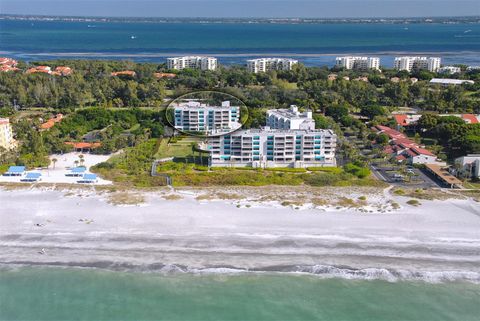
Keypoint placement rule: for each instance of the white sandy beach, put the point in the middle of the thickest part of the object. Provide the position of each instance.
(437, 240)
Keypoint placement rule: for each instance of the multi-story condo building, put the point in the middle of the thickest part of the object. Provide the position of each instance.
(290, 119)
(267, 147)
(193, 116)
(417, 63)
(449, 70)
(269, 64)
(358, 63)
(192, 62)
(6, 134)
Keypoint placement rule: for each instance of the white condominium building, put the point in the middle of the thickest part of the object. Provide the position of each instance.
(197, 117)
(449, 70)
(6, 134)
(358, 63)
(290, 119)
(268, 64)
(192, 62)
(267, 147)
(417, 63)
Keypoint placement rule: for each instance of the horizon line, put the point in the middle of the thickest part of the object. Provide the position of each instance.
(240, 18)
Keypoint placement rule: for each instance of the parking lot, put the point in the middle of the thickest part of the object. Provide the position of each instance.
(412, 177)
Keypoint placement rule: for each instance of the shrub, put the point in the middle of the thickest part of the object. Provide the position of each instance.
(413, 202)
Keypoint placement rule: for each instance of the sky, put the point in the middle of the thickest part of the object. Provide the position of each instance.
(244, 8)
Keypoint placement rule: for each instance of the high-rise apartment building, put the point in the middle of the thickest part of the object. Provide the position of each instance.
(192, 62)
(417, 63)
(269, 64)
(267, 147)
(358, 63)
(194, 116)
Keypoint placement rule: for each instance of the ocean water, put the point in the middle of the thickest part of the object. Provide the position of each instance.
(41, 293)
(313, 44)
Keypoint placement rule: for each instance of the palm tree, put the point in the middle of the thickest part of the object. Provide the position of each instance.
(82, 159)
(76, 163)
(54, 161)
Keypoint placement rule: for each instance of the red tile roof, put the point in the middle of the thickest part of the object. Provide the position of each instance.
(164, 75)
(8, 61)
(79, 145)
(401, 119)
(62, 71)
(421, 151)
(51, 122)
(130, 73)
(47, 125)
(470, 118)
(401, 143)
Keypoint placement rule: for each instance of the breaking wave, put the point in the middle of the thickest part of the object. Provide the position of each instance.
(323, 271)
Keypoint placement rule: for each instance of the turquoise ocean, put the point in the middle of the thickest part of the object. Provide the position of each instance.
(40, 293)
(233, 43)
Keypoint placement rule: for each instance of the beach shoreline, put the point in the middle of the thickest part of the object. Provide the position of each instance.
(238, 229)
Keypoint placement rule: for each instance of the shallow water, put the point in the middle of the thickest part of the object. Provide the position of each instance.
(34, 293)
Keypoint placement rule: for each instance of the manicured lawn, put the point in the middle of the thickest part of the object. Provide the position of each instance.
(182, 148)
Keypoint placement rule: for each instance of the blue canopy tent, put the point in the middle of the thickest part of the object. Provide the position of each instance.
(32, 177)
(15, 171)
(88, 179)
(76, 172)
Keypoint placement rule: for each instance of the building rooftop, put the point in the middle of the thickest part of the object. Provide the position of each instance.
(291, 113)
(193, 104)
(33, 175)
(282, 131)
(16, 169)
(448, 81)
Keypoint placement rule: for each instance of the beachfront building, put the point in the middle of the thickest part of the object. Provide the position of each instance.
(262, 148)
(6, 135)
(269, 64)
(194, 116)
(192, 62)
(449, 70)
(290, 119)
(358, 63)
(468, 166)
(417, 63)
(404, 149)
(450, 82)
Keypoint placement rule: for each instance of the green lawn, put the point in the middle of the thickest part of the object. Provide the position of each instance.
(471, 185)
(182, 148)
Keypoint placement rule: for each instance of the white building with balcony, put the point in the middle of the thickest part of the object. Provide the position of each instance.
(194, 116)
(6, 135)
(269, 64)
(290, 119)
(192, 62)
(449, 70)
(262, 148)
(358, 63)
(417, 63)
(468, 166)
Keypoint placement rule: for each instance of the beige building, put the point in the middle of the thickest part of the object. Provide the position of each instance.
(6, 134)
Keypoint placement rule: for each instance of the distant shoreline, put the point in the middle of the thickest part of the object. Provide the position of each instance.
(205, 20)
